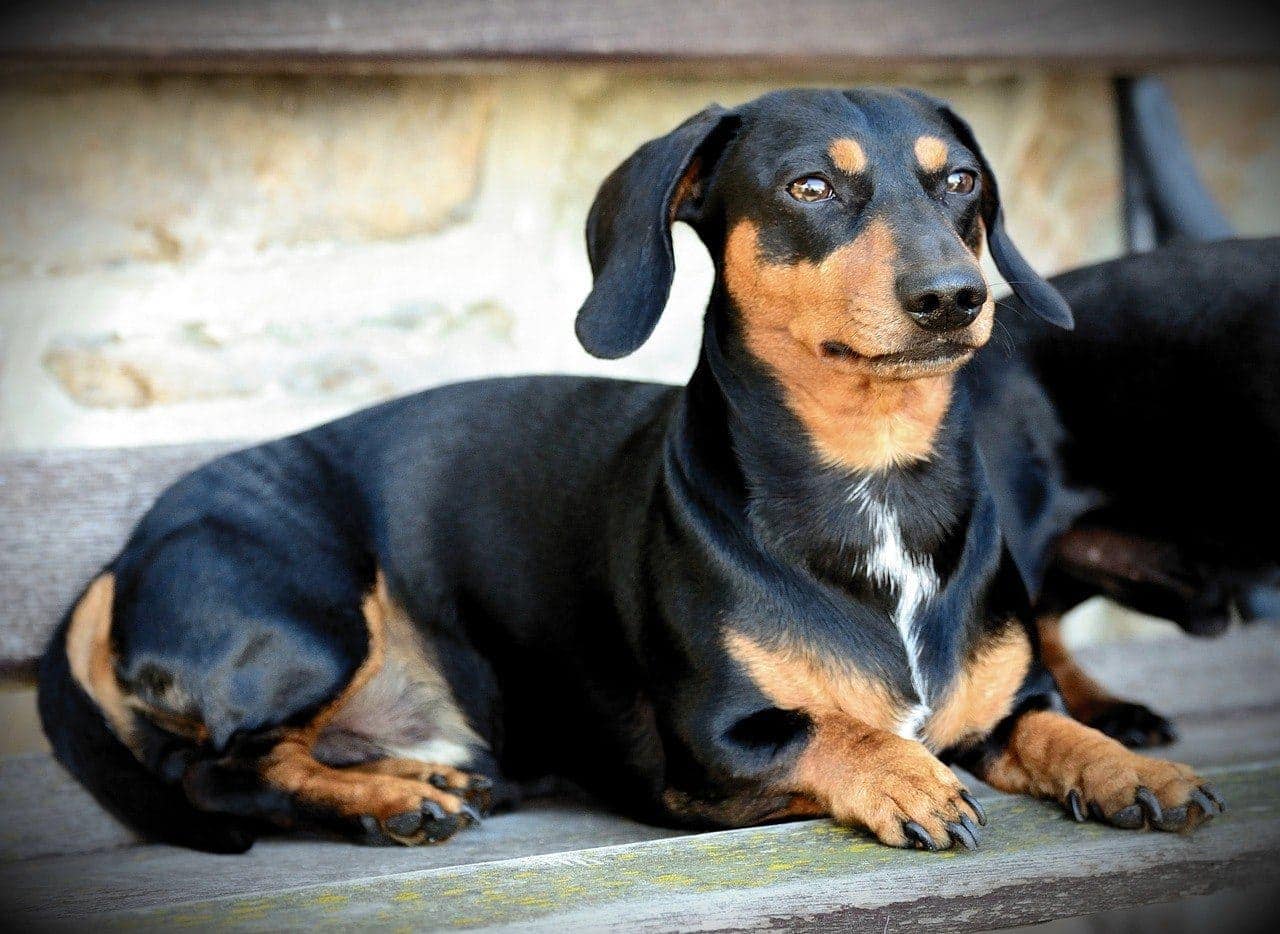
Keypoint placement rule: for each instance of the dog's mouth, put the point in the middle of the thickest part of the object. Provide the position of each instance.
(938, 356)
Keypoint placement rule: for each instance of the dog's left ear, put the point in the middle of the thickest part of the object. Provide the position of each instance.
(629, 231)
(1037, 294)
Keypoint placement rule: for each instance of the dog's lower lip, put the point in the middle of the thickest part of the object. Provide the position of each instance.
(938, 353)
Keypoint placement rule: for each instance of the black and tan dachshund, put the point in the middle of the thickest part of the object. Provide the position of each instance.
(1166, 415)
(781, 590)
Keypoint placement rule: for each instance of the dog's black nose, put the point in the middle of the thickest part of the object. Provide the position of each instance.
(942, 300)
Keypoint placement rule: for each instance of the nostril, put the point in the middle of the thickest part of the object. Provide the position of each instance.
(969, 299)
(928, 302)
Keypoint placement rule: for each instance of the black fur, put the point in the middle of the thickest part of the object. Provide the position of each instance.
(1169, 404)
(571, 547)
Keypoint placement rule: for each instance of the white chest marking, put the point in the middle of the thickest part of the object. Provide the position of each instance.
(913, 581)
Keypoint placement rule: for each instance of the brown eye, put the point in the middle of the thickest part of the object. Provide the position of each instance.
(810, 188)
(961, 182)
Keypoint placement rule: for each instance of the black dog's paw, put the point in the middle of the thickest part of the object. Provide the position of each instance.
(1135, 725)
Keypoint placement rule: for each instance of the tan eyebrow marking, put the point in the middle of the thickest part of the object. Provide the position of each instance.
(847, 155)
(931, 153)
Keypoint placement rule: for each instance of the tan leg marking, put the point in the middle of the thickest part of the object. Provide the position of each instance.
(92, 659)
(1050, 755)
(875, 779)
(1083, 696)
(398, 794)
(854, 768)
(982, 694)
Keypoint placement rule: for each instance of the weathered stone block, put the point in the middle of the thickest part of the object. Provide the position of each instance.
(97, 171)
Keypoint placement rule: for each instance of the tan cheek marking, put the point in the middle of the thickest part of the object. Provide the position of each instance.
(854, 420)
(794, 678)
(847, 156)
(982, 694)
(931, 153)
(92, 657)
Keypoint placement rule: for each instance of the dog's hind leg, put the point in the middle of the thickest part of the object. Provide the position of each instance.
(1133, 724)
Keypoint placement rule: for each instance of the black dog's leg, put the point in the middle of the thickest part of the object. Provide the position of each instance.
(1133, 724)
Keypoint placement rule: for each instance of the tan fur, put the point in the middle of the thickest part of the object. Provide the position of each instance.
(1083, 696)
(687, 187)
(856, 417)
(381, 789)
(1049, 755)
(982, 694)
(408, 693)
(931, 153)
(795, 678)
(91, 656)
(875, 779)
(847, 155)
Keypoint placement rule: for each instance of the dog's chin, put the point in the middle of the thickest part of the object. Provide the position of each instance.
(935, 358)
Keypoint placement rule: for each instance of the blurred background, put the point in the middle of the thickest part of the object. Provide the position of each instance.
(189, 256)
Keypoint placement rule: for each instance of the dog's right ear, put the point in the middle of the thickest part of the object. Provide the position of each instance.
(629, 231)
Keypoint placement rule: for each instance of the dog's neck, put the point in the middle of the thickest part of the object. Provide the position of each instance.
(801, 501)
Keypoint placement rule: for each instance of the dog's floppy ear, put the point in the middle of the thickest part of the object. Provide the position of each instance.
(629, 232)
(1027, 284)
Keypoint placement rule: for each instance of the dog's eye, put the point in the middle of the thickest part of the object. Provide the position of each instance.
(810, 188)
(961, 182)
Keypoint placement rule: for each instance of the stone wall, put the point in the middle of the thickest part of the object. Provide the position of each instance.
(193, 257)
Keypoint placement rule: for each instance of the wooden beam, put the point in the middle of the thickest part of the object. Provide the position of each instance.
(1034, 865)
(65, 514)
(338, 35)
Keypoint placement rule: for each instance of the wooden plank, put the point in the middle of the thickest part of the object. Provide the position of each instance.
(391, 34)
(66, 513)
(1035, 864)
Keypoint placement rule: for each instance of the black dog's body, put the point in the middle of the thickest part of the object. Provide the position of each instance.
(1169, 394)
(701, 603)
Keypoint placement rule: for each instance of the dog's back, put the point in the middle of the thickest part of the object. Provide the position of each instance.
(1169, 393)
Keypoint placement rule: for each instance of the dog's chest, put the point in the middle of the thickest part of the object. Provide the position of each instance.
(908, 578)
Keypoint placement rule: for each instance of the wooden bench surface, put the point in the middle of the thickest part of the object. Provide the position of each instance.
(334, 35)
(565, 865)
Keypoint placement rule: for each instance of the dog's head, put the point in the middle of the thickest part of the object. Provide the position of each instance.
(846, 228)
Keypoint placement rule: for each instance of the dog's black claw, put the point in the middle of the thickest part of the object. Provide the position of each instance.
(1128, 818)
(917, 833)
(472, 814)
(1096, 812)
(1076, 806)
(1212, 792)
(405, 824)
(962, 835)
(1172, 819)
(480, 783)
(439, 781)
(1146, 797)
(435, 811)
(977, 808)
(1208, 805)
(970, 826)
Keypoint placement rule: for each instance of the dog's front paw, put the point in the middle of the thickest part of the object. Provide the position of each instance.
(908, 798)
(1136, 726)
(1134, 791)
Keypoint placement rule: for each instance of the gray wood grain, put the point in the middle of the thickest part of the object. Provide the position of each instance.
(1035, 864)
(63, 514)
(336, 34)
